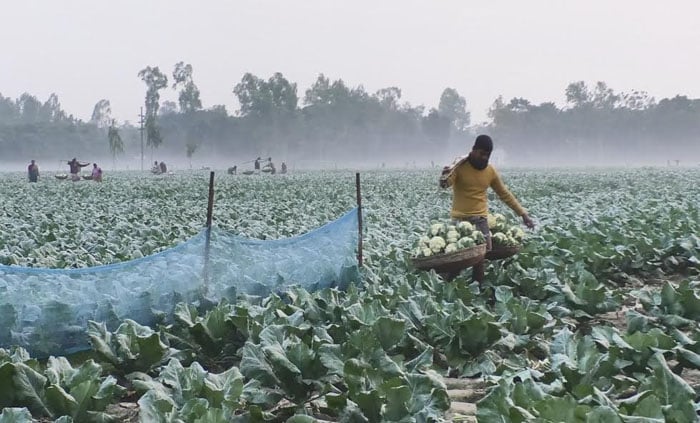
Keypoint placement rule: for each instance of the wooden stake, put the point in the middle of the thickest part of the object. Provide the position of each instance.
(359, 219)
(210, 205)
(210, 210)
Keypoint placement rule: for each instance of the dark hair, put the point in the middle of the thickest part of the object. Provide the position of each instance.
(483, 142)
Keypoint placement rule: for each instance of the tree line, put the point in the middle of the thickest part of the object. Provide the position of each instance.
(332, 121)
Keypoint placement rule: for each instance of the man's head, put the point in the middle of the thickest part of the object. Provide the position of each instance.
(32, 161)
(484, 143)
(481, 152)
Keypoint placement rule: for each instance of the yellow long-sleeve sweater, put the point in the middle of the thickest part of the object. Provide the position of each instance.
(469, 187)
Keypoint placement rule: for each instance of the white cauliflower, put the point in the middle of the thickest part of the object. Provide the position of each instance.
(437, 244)
(466, 242)
(452, 236)
(465, 228)
(437, 229)
(424, 240)
(451, 248)
(499, 238)
(517, 233)
(497, 222)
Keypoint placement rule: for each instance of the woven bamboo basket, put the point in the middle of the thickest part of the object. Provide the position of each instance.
(500, 252)
(61, 176)
(452, 262)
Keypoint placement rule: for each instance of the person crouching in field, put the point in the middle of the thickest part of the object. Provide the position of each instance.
(96, 173)
(33, 171)
(470, 178)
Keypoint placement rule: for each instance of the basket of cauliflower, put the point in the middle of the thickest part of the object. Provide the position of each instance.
(448, 248)
(506, 239)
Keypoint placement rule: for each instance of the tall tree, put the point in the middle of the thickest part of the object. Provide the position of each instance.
(155, 81)
(389, 97)
(254, 96)
(8, 110)
(604, 97)
(283, 94)
(51, 110)
(270, 109)
(102, 114)
(577, 94)
(189, 93)
(319, 92)
(454, 107)
(29, 107)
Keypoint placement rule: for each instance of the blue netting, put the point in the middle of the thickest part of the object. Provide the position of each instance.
(46, 310)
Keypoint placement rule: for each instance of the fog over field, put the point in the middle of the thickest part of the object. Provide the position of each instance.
(364, 85)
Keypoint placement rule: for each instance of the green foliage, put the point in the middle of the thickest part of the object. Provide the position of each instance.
(189, 394)
(130, 348)
(535, 330)
(56, 389)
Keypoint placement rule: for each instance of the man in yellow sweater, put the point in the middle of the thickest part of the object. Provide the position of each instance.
(469, 179)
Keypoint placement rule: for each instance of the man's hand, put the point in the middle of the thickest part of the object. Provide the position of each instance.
(528, 222)
(443, 176)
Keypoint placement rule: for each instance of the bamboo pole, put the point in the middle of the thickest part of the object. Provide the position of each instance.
(359, 219)
(210, 210)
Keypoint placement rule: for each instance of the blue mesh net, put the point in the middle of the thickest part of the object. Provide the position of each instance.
(46, 310)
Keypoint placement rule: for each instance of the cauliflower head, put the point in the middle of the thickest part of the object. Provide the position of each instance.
(437, 244)
(465, 228)
(437, 229)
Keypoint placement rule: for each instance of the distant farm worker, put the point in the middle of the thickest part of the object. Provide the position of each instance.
(33, 171)
(155, 168)
(470, 177)
(75, 166)
(96, 173)
(283, 168)
(163, 168)
(256, 166)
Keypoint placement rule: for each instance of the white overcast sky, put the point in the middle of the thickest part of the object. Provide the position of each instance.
(87, 50)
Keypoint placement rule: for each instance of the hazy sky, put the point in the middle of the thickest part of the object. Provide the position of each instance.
(87, 50)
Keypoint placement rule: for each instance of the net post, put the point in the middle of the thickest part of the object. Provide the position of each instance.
(210, 204)
(359, 219)
(210, 209)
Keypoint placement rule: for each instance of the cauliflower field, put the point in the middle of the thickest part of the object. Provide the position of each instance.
(596, 319)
